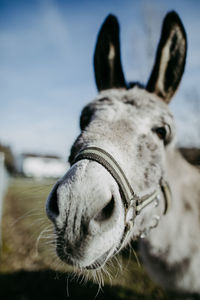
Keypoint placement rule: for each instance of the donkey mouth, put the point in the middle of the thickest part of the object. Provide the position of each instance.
(97, 264)
(68, 258)
(100, 262)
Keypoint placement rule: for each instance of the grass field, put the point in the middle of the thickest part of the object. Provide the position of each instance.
(29, 268)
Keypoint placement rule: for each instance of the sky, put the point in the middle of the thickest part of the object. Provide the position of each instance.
(46, 66)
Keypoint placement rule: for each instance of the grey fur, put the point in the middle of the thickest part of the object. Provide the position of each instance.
(124, 122)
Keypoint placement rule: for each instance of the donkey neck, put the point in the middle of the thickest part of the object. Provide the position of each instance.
(174, 231)
(184, 181)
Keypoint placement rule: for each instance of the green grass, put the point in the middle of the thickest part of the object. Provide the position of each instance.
(29, 268)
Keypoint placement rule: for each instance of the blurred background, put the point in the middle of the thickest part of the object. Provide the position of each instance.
(46, 66)
(46, 77)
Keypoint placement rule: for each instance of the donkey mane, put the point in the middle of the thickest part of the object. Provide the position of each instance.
(127, 181)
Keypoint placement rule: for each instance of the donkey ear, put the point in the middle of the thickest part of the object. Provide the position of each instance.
(170, 58)
(107, 62)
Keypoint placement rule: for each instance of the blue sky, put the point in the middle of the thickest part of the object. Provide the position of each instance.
(46, 71)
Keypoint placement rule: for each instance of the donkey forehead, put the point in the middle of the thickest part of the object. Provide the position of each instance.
(129, 105)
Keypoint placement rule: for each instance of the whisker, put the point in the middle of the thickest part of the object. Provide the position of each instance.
(27, 214)
(40, 236)
(136, 256)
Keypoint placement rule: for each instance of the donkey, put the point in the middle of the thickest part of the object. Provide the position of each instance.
(127, 181)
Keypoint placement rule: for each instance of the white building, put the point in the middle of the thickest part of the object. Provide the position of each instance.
(43, 166)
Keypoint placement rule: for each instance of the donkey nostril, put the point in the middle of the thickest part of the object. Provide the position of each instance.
(106, 212)
(52, 203)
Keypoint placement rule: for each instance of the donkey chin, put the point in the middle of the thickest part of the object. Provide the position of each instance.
(88, 254)
(84, 258)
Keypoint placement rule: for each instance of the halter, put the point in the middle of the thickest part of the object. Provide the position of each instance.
(132, 203)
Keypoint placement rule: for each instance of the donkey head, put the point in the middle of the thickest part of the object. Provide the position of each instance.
(132, 126)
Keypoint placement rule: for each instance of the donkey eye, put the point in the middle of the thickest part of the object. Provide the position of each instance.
(86, 116)
(161, 132)
(164, 133)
